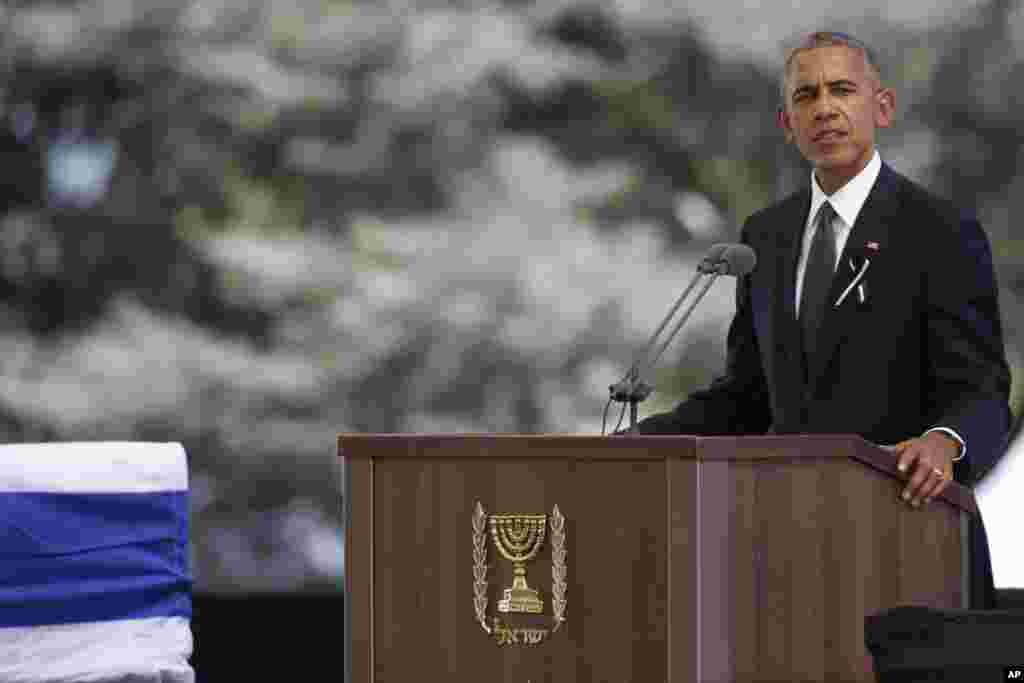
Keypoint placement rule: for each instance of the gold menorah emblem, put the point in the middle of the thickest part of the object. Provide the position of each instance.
(519, 537)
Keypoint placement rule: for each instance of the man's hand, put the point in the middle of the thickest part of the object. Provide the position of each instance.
(928, 461)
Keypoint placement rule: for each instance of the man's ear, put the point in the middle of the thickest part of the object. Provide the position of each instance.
(782, 119)
(886, 109)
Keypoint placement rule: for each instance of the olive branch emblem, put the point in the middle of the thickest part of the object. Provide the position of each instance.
(559, 574)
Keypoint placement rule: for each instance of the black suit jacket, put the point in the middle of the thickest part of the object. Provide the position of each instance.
(923, 349)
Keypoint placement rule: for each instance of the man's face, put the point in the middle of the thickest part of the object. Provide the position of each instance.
(833, 105)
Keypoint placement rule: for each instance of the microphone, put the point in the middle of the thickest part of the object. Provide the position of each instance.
(737, 260)
(711, 261)
(721, 259)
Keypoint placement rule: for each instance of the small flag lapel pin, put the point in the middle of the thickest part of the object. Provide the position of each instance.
(873, 246)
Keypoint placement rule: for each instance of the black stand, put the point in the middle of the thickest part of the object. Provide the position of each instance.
(721, 259)
(632, 389)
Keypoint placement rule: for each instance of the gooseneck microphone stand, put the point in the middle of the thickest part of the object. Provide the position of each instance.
(721, 259)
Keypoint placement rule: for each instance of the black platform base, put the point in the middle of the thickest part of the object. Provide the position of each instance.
(968, 646)
(268, 637)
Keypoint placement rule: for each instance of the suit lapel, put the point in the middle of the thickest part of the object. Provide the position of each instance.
(785, 346)
(872, 226)
(789, 239)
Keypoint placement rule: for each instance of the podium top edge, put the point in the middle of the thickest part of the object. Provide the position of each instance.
(633, 446)
(613, 441)
(702, 449)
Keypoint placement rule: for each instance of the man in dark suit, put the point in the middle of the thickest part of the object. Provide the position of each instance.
(873, 307)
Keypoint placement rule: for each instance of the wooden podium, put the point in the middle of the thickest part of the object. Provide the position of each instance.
(686, 558)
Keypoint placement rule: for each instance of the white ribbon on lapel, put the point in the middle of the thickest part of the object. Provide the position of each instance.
(856, 280)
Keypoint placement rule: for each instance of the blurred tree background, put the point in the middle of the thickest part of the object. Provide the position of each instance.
(251, 225)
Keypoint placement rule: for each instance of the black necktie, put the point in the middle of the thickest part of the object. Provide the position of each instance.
(818, 277)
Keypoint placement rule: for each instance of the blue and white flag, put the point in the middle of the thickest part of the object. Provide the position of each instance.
(94, 572)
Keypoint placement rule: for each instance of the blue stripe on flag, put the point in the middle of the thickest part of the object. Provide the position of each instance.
(79, 557)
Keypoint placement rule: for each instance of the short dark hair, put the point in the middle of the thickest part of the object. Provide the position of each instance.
(828, 39)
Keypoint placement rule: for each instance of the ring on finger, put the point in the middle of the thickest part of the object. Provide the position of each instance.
(937, 471)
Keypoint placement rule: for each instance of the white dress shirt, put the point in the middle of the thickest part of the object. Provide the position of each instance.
(847, 202)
